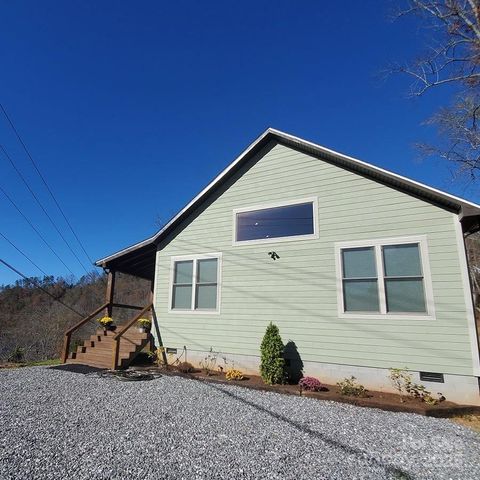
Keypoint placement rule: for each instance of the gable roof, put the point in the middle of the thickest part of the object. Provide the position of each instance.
(420, 190)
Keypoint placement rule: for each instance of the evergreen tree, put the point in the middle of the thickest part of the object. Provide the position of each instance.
(272, 367)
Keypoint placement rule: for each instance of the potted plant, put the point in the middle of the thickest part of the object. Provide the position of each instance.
(144, 325)
(107, 323)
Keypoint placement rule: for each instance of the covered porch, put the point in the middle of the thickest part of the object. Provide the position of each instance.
(117, 347)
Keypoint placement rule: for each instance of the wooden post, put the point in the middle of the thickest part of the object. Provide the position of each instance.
(66, 347)
(150, 297)
(159, 336)
(110, 292)
(153, 317)
(116, 353)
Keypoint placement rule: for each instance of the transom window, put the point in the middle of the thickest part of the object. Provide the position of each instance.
(385, 278)
(195, 283)
(275, 222)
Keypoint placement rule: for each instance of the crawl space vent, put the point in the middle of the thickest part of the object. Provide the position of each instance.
(431, 377)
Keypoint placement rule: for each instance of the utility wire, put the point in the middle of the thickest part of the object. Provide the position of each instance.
(44, 181)
(35, 229)
(2, 148)
(24, 254)
(40, 287)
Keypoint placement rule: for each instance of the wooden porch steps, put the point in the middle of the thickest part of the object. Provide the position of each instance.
(98, 350)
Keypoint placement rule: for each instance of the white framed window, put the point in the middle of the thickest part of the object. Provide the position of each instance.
(195, 283)
(276, 222)
(384, 278)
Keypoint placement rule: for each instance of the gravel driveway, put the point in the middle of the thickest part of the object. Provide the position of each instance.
(57, 424)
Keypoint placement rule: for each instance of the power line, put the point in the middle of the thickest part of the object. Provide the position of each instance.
(44, 181)
(40, 287)
(41, 206)
(24, 254)
(35, 229)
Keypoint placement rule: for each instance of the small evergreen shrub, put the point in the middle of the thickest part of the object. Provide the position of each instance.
(310, 384)
(272, 366)
(351, 388)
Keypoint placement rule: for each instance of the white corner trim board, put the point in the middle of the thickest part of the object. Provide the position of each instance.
(472, 329)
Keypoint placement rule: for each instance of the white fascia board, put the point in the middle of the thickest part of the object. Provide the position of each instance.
(143, 243)
(216, 180)
(354, 161)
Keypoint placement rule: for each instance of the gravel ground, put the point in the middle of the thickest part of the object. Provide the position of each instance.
(58, 424)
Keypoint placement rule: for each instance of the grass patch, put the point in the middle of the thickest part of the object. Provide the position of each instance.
(470, 421)
(54, 361)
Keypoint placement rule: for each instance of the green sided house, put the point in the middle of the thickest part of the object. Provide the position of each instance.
(360, 268)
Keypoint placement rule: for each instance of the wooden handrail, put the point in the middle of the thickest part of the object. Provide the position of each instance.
(133, 321)
(86, 319)
(116, 337)
(68, 333)
(123, 305)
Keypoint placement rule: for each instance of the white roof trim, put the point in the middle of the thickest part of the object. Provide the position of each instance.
(369, 166)
(318, 148)
(217, 179)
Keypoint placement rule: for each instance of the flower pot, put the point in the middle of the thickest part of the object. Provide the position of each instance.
(143, 329)
(110, 328)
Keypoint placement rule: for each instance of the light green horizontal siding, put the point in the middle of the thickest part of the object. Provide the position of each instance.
(298, 291)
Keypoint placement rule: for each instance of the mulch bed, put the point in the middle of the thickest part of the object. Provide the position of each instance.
(382, 400)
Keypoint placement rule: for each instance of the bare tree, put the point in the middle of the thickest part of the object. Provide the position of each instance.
(453, 58)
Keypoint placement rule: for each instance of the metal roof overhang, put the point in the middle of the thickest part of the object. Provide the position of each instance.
(139, 262)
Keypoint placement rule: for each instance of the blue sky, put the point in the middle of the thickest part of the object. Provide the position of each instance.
(131, 108)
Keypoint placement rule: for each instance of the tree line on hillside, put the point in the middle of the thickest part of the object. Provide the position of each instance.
(32, 323)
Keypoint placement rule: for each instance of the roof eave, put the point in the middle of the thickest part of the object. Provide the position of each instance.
(198, 197)
(425, 189)
(271, 133)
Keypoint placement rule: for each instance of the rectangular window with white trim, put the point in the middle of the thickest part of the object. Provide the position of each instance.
(195, 283)
(292, 220)
(389, 277)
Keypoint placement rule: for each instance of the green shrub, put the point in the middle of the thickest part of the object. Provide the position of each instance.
(272, 366)
(17, 355)
(351, 388)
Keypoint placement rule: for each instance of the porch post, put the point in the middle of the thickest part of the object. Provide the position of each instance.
(155, 324)
(150, 296)
(110, 292)
(152, 315)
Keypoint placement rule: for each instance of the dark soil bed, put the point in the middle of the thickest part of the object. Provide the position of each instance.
(382, 400)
